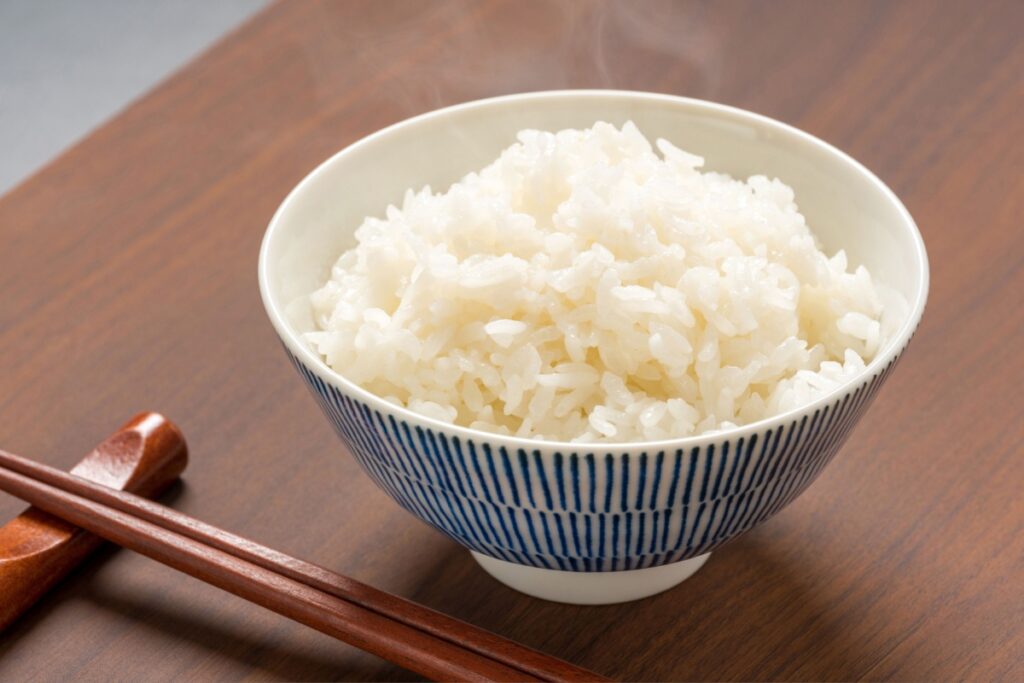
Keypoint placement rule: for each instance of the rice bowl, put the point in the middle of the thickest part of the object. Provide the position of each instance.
(613, 519)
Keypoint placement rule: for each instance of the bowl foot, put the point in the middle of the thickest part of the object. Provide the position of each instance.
(590, 588)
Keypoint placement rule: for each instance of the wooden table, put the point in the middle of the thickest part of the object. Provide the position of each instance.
(128, 282)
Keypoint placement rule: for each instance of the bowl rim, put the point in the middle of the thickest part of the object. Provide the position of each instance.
(304, 354)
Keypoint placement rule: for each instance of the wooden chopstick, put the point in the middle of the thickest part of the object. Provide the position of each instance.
(413, 636)
(394, 607)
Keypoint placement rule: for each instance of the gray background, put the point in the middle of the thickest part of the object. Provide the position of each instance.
(68, 65)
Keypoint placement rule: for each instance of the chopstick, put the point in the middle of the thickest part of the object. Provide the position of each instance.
(410, 635)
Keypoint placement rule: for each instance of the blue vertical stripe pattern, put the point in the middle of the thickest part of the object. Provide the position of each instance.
(590, 510)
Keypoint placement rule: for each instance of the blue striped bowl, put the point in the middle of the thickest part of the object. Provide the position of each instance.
(585, 523)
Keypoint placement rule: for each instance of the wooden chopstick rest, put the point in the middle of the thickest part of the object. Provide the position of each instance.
(37, 550)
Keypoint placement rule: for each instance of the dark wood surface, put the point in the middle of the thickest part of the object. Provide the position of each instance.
(128, 282)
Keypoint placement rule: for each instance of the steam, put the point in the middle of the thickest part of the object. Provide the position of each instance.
(412, 57)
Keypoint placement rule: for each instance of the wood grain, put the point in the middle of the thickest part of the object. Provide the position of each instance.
(127, 280)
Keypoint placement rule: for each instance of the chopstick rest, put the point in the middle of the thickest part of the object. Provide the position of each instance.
(37, 550)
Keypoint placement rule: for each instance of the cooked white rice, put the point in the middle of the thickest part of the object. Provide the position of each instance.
(584, 288)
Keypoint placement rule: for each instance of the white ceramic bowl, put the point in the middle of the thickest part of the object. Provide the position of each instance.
(603, 522)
